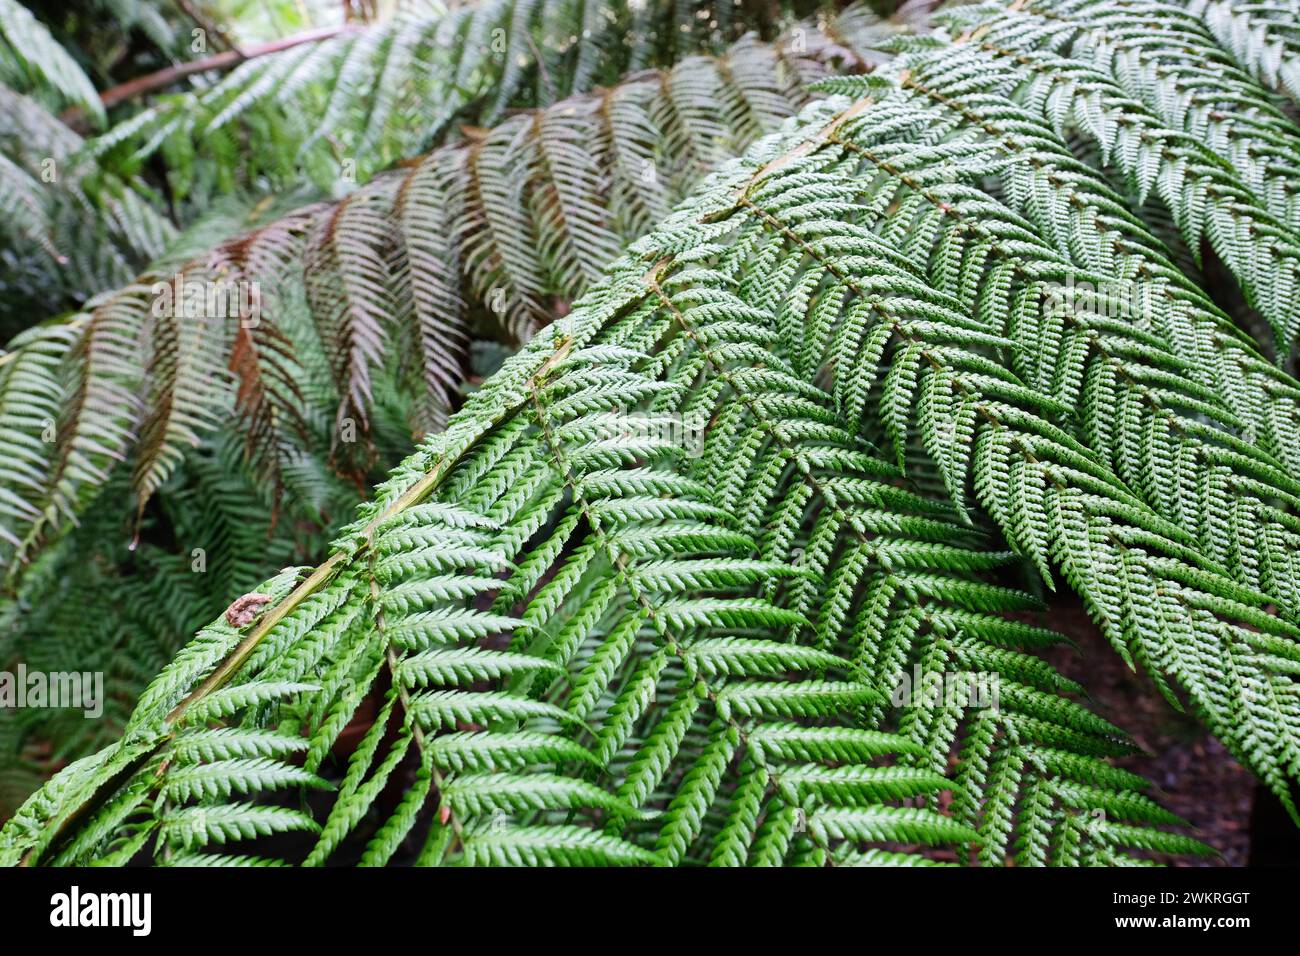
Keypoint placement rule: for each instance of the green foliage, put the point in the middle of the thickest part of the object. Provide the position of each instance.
(1171, 119)
(32, 61)
(597, 646)
(341, 109)
(586, 707)
(69, 229)
(392, 278)
(79, 220)
(378, 286)
(1263, 39)
(675, 585)
(232, 435)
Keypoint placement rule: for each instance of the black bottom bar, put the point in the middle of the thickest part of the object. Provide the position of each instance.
(330, 907)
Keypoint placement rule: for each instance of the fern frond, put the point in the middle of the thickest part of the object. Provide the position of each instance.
(1262, 38)
(1115, 369)
(701, 702)
(33, 62)
(722, 634)
(675, 584)
(1222, 197)
(1192, 86)
(85, 230)
(515, 218)
(1157, 597)
(345, 107)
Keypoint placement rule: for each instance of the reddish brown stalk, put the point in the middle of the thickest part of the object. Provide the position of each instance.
(224, 60)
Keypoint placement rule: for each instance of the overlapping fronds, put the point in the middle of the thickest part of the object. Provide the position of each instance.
(1172, 119)
(1263, 38)
(340, 109)
(651, 680)
(68, 230)
(921, 302)
(717, 570)
(279, 379)
(220, 525)
(33, 62)
(1111, 330)
(392, 277)
(651, 596)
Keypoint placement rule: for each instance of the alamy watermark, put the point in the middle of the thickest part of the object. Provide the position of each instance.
(1118, 299)
(84, 908)
(974, 690)
(208, 298)
(65, 690)
(670, 429)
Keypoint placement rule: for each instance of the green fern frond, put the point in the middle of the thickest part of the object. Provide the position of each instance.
(709, 712)
(664, 697)
(1115, 371)
(1263, 39)
(347, 106)
(913, 360)
(1213, 150)
(33, 62)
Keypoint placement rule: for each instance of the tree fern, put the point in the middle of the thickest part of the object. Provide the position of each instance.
(705, 631)
(390, 264)
(1173, 332)
(32, 61)
(1261, 37)
(286, 412)
(664, 590)
(916, 363)
(618, 681)
(343, 108)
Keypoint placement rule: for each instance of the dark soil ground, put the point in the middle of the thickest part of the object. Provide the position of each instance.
(1196, 777)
